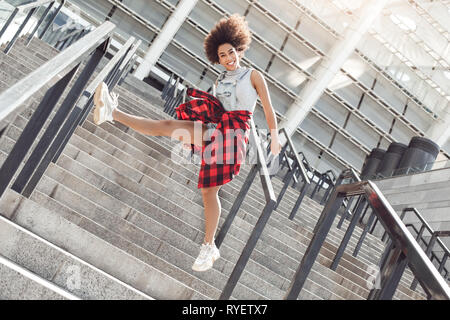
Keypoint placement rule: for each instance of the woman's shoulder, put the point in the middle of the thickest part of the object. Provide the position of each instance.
(255, 77)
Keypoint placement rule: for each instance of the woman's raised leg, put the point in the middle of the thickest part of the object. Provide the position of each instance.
(186, 131)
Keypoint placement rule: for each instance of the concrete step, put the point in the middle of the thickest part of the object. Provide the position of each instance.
(93, 250)
(17, 283)
(72, 276)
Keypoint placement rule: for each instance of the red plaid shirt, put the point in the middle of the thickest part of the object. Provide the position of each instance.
(217, 170)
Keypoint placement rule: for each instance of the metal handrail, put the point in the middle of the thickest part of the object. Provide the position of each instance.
(424, 222)
(113, 72)
(12, 99)
(296, 157)
(60, 69)
(407, 248)
(435, 237)
(433, 255)
(307, 165)
(263, 218)
(297, 164)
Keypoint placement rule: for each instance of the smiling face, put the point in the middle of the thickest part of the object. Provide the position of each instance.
(229, 57)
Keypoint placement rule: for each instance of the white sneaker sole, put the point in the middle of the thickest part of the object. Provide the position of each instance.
(99, 104)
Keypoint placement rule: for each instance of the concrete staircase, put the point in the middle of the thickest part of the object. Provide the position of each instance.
(118, 208)
(429, 193)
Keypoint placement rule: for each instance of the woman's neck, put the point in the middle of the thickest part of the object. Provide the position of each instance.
(235, 71)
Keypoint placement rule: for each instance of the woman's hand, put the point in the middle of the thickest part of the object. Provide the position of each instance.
(275, 146)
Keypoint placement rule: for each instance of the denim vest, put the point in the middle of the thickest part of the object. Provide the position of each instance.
(226, 90)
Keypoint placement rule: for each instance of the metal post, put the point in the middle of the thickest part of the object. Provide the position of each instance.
(364, 233)
(128, 70)
(428, 253)
(176, 103)
(287, 173)
(299, 200)
(327, 193)
(236, 205)
(30, 37)
(71, 40)
(80, 114)
(286, 185)
(374, 225)
(52, 19)
(248, 249)
(170, 95)
(19, 31)
(330, 189)
(443, 262)
(52, 130)
(311, 253)
(166, 87)
(391, 274)
(364, 213)
(31, 131)
(62, 46)
(9, 21)
(296, 179)
(67, 129)
(347, 211)
(317, 188)
(348, 233)
(387, 253)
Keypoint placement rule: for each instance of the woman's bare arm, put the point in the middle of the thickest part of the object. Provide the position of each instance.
(259, 83)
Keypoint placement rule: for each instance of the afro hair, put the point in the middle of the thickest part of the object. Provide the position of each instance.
(233, 30)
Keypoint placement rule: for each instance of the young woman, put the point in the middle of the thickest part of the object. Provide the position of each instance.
(237, 90)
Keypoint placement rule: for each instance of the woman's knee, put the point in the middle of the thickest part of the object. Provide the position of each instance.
(211, 191)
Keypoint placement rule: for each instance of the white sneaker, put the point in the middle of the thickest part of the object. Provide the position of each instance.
(104, 103)
(205, 260)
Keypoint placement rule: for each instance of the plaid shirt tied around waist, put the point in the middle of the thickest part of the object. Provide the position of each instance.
(223, 155)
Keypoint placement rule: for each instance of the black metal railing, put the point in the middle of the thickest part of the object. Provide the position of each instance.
(30, 8)
(269, 194)
(327, 177)
(354, 214)
(429, 243)
(71, 37)
(71, 113)
(297, 166)
(405, 249)
(172, 96)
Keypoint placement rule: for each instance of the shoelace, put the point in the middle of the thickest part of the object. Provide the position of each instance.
(204, 251)
(115, 98)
